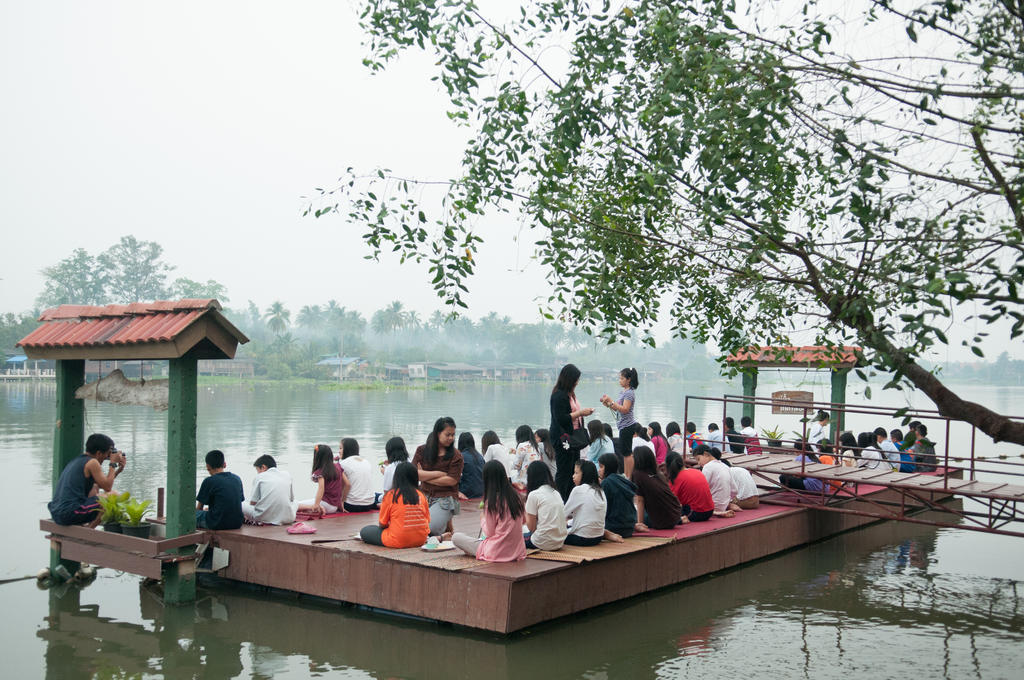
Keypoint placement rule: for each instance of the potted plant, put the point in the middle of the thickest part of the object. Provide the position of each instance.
(134, 512)
(112, 513)
(774, 436)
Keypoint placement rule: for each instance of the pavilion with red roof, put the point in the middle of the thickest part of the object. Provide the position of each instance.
(180, 331)
(838, 360)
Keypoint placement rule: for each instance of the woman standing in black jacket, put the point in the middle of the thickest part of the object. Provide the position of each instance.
(566, 416)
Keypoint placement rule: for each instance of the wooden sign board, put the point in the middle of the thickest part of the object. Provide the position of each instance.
(792, 401)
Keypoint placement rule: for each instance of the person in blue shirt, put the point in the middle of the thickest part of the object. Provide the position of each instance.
(219, 501)
(620, 515)
(906, 455)
(471, 484)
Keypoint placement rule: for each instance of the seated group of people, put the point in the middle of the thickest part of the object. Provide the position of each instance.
(876, 450)
(421, 496)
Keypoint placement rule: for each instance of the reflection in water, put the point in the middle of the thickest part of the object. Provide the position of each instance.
(855, 603)
(855, 606)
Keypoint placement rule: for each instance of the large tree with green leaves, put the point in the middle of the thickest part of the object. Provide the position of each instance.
(187, 288)
(752, 174)
(136, 270)
(78, 279)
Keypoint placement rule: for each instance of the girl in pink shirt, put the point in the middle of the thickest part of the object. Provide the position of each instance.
(501, 521)
(658, 442)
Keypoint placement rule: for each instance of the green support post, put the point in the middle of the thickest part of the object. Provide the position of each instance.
(68, 435)
(837, 418)
(179, 578)
(749, 391)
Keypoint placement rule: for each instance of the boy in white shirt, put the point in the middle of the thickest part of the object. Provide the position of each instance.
(271, 501)
(719, 480)
(889, 450)
(715, 438)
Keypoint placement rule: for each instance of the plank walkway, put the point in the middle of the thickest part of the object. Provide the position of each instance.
(777, 464)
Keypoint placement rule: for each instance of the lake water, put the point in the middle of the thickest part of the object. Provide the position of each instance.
(884, 601)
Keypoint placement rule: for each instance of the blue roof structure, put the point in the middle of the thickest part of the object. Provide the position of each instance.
(334, 361)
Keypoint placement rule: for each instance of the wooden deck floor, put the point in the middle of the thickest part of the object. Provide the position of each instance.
(504, 598)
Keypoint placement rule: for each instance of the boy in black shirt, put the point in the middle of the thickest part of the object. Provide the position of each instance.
(221, 494)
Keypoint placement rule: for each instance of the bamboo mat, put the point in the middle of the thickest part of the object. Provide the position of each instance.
(449, 560)
(603, 550)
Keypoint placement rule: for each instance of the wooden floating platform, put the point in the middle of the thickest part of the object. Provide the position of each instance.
(504, 598)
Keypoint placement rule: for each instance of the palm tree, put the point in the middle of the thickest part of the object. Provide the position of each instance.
(389, 320)
(437, 320)
(380, 323)
(575, 338)
(311, 316)
(354, 322)
(277, 317)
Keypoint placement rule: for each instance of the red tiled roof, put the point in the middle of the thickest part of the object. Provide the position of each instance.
(796, 356)
(84, 326)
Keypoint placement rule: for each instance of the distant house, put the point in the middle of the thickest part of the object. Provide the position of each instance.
(394, 372)
(521, 372)
(236, 368)
(445, 371)
(20, 362)
(343, 367)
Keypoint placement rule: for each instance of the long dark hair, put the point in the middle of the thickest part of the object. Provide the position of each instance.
(610, 462)
(524, 433)
(588, 476)
(500, 497)
(467, 442)
(431, 448)
(630, 374)
(537, 475)
(406, 480)
(672, 428)
(596, 429)
(323, 462)
(545, 439)
(848, 442)
(866, 440)
(656, 432)
(349, 448)
(489, 439)
(644, 461)
(395, 450)
(567, 379)
(674, 465)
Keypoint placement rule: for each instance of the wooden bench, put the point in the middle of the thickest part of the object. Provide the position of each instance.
(141, 556)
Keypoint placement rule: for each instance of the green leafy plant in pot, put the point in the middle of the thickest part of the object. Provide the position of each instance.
(134, 512)
(112, 513)
(774, 436)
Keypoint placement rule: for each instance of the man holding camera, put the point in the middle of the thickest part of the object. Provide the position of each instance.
(74, 499)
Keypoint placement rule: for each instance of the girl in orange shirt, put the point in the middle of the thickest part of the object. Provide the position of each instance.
(404, 520)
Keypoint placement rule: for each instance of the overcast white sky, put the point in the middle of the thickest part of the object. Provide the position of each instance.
(200, 126)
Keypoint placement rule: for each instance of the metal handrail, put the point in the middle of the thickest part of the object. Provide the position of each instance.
(809, 407)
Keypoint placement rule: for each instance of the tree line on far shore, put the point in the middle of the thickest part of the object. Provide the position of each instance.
(284, 345)
(287, 343)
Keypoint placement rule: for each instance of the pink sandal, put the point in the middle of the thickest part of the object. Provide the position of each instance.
(301, 528)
